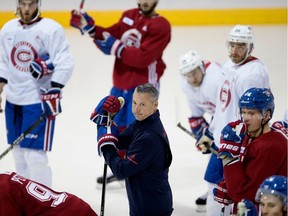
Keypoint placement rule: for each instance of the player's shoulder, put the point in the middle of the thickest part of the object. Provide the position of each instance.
(50, 23)
(10, 24)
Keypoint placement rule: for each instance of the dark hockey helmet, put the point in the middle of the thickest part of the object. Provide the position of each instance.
(258, 98)
(274, 185)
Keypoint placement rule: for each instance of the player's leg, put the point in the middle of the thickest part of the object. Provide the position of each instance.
(37, 143)
(39, 170)
(13, 115)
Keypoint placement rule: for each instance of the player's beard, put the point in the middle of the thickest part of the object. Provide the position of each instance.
(26, 18)
(148, 12)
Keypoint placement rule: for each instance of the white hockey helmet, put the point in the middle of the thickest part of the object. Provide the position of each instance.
(242, 34)
(190, 61)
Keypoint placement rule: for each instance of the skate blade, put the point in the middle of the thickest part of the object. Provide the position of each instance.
(201, 208)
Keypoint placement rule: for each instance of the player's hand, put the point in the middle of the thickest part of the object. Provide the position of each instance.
(82, 21)
(247, 208)
(110, 45)
(205, 143)
(109, 104)
(231, 140)
(220, 193)
(41, 66)
(51, 102)
(105, 139)
(197, 125)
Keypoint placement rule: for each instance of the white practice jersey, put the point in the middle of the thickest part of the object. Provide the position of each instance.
(238, 79)
(19, 44)
(202, 99)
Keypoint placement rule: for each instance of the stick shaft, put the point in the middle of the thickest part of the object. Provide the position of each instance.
(82, 4)
(186, 130)
(105, 172)
(22, 136)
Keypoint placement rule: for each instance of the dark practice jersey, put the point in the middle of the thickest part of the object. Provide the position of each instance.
(145, 39)
(23, 197)
(263, 156)
(145, 167)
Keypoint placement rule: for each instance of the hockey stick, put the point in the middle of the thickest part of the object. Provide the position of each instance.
(22, 135)
(186, 130)
(105, 172)
(82, 4)
(191, 134)
(109, 122)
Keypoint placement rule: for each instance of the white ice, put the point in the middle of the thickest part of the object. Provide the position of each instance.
(74, 158)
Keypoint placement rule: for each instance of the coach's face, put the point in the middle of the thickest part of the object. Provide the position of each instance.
(143, 106)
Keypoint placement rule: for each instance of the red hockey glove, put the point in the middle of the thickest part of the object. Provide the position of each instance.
(82, 21)
(110, 45)
(281, 126)
(41, 66)
(205, 143)
(105, 139)
(220, 193)
(51, 102)
(198, 124)
(109, 104)
(231, 141)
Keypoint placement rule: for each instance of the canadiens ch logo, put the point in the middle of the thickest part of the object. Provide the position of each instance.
(225, 95)
(21, 55)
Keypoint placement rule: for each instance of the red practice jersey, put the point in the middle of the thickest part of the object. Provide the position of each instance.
(21, 196)
(145, 39)
(264, 156)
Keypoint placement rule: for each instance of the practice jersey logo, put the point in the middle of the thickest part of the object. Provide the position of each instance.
(21, 55)
(131, 38)
(225, 95)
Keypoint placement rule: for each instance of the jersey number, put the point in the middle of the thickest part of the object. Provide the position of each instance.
(45, 194)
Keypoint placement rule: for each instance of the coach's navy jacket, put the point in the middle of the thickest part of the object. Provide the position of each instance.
(145, 167)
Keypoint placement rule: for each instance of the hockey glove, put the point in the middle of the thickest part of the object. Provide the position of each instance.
(197, 125)
(105, 139)
(109, 104)
(51, 102)
(220, 193)
(205, 143)
(110, 45)
(82, 21)
(246, 208)
(231, 141)
(281, 126)
(41, 66)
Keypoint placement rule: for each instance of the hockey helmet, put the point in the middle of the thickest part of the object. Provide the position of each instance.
(241, 34)
(258, 98)
(274, 185)
(189, 62)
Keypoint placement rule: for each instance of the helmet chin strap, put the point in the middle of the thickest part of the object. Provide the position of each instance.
(249, 51)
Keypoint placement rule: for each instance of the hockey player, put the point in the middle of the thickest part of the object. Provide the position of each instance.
(250, 149)
(271, 196)
(241, 72)
(35, 65)
(199, 80)
(22, 196)
(145, 166)
(137, 41)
